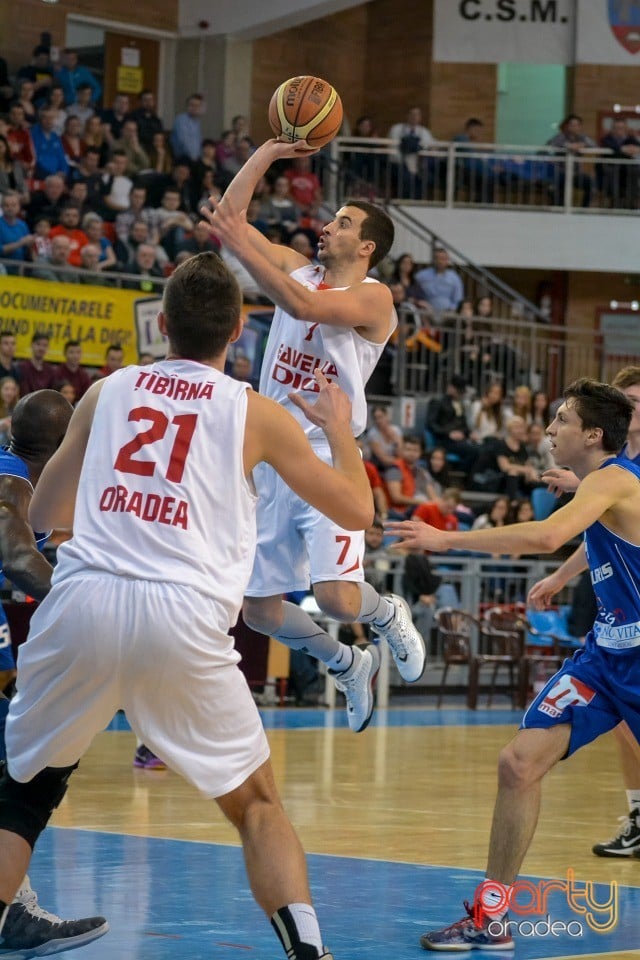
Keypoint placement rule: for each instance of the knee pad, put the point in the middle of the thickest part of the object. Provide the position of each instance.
(25, 808)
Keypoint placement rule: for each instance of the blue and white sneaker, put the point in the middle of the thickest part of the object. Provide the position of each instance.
(465, 934)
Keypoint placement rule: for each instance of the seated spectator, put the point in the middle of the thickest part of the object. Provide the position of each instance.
(67, 390)
(376, 560)
(50, 155)
(113, 118)
(16, 239)
(201, 240)
(498, 515)
(300, 242)
(116, 186)
(174, 225)
(71, 75)
(139, 234)
(82, 106)
(475, 174)
(137, 210)
(620, 181)
(19, 138)
(93, 135)
(184, 183)
(384, 438)
(25, 90)
(146, 118)
(404, 272)
(571, 139)
(129, 144)
(240, 127)
(520, 405)
(93, 226)
(41, 238)
(425, 592)
(441, 512)
(186, 134)
(251, 292)
(8, 365)
(512, 457)
(70, 226)
(279, 207)
(306, 191)
(440, 284)
(438, 470)
(409, 138)
(539, 448)
(55, 267)
(406, 480)
(486, 416)
(71, 370)
(36, 373)
(89, 262)
(227, 162)
(113, 360)
(523, 511)
(375, 482)
(78, 195)
(11, 172)
(39, 72)
(55, 102)
(540, 409)
(447, 422)
(206, 163)
(146, 266)
(9, 396)
(160, 154)
(49, 201)
(72, 142)
(87, 173)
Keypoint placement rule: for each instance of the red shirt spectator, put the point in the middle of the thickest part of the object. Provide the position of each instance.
(440, 512)
(68, 226)
(19, 139)
(304, 185)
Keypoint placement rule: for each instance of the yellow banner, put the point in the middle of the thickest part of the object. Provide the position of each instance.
(96, 316)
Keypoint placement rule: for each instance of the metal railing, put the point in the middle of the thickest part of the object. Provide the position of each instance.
(483, 175)
(41, 270)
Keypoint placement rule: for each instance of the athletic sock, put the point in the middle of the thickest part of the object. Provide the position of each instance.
(299, 632)
(373, 607)
(633, 799)
(297, 928)
(494, 899)
(25, 889)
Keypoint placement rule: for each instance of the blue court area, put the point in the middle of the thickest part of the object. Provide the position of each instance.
(177, 900)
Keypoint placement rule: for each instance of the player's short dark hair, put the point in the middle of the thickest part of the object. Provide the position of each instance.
(600, 405)
(376, 226)
(202, 304)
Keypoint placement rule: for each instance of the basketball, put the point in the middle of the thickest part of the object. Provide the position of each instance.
(306, 108)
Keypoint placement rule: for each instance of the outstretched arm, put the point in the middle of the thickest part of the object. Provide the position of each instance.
(542, 593)
(22, 562)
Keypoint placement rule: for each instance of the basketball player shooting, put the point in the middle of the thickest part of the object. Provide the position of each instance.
(335, 318)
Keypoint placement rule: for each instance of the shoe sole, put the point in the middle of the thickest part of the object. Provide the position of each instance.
(407, 611)
(374, 697)
(464, 948)
(632, 852)
(52, 947)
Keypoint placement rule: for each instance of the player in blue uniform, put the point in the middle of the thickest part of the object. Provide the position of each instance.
(626, 843)
(599, 687)
(38, 425)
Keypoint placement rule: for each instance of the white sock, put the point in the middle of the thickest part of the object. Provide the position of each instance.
(295, 924)
(633, 799)
(493, 899)
(25, 889)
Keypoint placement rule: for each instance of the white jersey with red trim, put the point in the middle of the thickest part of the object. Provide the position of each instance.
(162, 493)
(295, 348)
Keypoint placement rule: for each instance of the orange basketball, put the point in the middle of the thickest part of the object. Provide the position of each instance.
(306, 108)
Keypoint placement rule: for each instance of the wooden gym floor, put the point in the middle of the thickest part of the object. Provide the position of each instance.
(395, 822)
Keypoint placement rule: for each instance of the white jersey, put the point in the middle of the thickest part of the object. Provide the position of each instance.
(162, 493)
(295, 348)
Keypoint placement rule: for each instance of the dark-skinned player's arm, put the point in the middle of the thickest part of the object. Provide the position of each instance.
(54, 499)
(22, 562)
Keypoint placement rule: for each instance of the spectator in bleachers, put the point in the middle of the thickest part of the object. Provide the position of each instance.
(88, 173)
(24, 96)
(251, 292)
(186, 134)
(113, 118)
(67, 390)
(425, 591)
(15, 237)
(93, 226)
(50, 155)
(148, 121)
(279, 208)
(11, 172)
(181, 178)
(539, 448)
(116, 186)
(523, 512)
(145, 264)
(409, 138)
(441, 512)
(240, 127)
(89, 263)
(129, 144)
(9, 396)
(72, 371)
(55, 266)
(125, 250)
(440, 284)
(8, 365)
(300, 242)
(93, 137)
(55, 102)
(174, 225)
(384, 438)
(69, 226)
(447, 422)
(36, 373)
(19, 137)
(304, 185)
(404, 272)
(79, 194)
(241, 367)
(363, 165)
(72, 75)
(486, 416)
(137, 210)
(255, 219)
(72, 142)
(39, 72)
(200, 240)
(113, 360)
(375, 482)
(41, 238)
(498, 515)
(438, 470)
(206, 163)
(571, 139)
(226, 158)
(82, 105)
(520, 405)
(406, 480)
(512, 457)
(620, 181)
(540, 408)
(475, 173)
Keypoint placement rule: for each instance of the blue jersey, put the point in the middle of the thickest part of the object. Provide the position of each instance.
(12, 466)
(614, 565)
